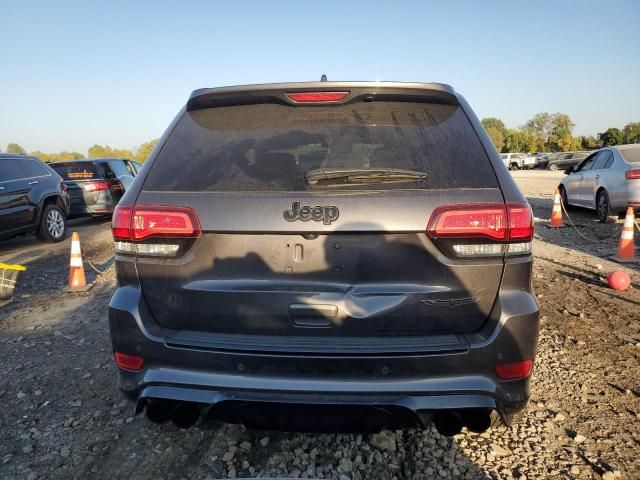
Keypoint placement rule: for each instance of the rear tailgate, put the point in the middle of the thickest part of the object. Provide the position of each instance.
(279, 255)
(84, 183)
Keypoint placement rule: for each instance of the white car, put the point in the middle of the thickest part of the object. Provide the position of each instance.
(607, 181)
(517, 161)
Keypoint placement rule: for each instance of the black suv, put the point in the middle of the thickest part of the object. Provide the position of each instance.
(566, 160)
(33, 198)
(96, 185)
(342, 256)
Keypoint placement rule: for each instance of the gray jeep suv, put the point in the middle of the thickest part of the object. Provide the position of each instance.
(342, 256)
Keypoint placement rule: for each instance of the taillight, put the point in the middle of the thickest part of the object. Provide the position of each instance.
(128, 362)
(121, 221)
(173, 222)
(478, 220)
(520, 221)
(153, 230)
(514, 371)
(316, 97)
(96, 186)
(633, 174)
(508, 228)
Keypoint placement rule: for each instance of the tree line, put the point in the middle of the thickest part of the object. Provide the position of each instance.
(140, 154)
(553, 132)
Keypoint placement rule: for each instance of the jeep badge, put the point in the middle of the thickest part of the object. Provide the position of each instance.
(317, 213)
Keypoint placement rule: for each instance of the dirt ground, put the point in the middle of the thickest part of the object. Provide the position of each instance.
(63, 416)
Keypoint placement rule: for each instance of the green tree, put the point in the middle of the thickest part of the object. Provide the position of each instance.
(496, 137)
(524, 140)
(98, 151)
(631, 132)
(589, 143)
(493, 122)
(613, 136)
(16, 149)
(144, 150)
(560, 134)
(552, 130)
(56, 157)
(540, 125)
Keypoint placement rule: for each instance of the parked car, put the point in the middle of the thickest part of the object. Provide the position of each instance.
(96, 185)
(544, 161)
(566, 160)
(326, 255)
(518, 161)
(33, 199)
(607, 181)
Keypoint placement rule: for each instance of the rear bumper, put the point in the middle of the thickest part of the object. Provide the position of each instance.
(421, 384)
(101, 208)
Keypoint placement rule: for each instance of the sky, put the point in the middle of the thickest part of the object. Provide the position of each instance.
(78, 73)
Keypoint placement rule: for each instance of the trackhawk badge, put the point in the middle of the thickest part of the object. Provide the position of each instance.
(450, 302)
(305, 213)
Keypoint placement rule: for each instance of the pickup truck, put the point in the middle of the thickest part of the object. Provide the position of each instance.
(518, 161)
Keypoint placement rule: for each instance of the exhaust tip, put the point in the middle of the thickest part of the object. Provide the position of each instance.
(185, 414)
(448, 423)
(158, 411)
(476, 420)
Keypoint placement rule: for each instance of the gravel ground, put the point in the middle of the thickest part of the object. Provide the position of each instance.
(64, 418)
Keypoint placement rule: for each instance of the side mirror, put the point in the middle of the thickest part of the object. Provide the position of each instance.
(568, 171)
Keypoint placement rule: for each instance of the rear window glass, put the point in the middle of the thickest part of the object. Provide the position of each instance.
(631, 155)
(76, 171)
(271, 147)
(10, 170)
(34, 168)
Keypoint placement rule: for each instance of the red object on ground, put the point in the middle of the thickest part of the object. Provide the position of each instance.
(619, 280)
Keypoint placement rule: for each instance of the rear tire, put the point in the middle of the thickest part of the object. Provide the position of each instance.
(563, 197)
(513, 167)
(603, 208)
(53, 224)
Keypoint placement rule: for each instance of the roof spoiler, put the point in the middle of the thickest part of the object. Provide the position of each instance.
(357, 91)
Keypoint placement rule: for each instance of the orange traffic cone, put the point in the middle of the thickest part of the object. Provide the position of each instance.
(76, 268)
(556, 212)
(625, 247)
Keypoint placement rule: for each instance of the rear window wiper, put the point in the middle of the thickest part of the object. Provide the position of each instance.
(324, 176)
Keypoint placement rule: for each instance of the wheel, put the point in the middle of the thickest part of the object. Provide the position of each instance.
(563, 197)
(603, 208)
(53, 224)
(513, 166)
(553, 167)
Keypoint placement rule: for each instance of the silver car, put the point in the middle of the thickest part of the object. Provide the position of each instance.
(607, 181)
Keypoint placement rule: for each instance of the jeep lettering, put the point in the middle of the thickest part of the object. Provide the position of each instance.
(317, 213)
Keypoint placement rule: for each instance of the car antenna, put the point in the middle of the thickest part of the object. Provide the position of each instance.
(323, 78)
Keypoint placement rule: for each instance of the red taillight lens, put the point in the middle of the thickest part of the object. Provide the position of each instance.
(171, 222)
(474, 220)
(514, 371)
(633, 174)
(520, 221)
(488, 220)
(121, 221)
(128, 362)
(96, 186)
(143, 222)
(316, 97)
